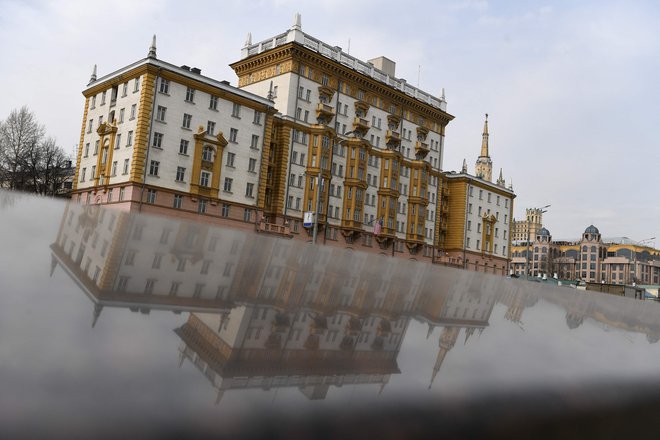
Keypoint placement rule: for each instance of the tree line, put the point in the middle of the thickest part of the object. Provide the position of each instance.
(29, 160)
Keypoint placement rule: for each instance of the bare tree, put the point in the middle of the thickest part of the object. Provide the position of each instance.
(20, 134)
(28, 160)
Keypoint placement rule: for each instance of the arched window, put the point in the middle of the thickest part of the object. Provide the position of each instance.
(593, 248)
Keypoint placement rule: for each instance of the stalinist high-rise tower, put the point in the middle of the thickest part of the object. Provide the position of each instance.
(484, 166)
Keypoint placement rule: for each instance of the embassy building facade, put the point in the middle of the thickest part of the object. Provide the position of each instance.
(310, 129)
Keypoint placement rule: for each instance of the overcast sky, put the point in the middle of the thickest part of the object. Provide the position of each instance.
(571, 88)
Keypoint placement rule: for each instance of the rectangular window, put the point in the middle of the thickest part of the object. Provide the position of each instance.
(117, 141)
(190, 94)
(90, 125)
(124, 90)
(125, 169)
(160, 113)
(121, 115)
(230, 159)
(201, 207)
(204, 178)
(114, 169)
(177, 201)
(213, 103)
(210, 128)
(249, 188)
(164, 86)
(252, 165)
(255, 142)
(247, 214)
(153, 168)
(129, 138)
(82, 174)
(93, 174)
(158, 140)
(133, 111)
(257, 118)
(183, 146)
(236, 110)
(136, 85)
(187, 119)
(151, 196)
(86, 150)
(233, 135)
(180, 174)
(228, 182)
(225, 210)
(122, 192)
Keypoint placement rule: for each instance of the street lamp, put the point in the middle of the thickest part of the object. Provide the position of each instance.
(541, 211)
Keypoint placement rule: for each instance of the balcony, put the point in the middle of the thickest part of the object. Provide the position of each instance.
(393, 138)
(360, 125)
(421, 148)
(272, 228)
(324, 113)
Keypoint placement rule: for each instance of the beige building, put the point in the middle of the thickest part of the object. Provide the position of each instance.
(524, 230)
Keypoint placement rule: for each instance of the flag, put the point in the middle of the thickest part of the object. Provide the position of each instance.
(378, 226)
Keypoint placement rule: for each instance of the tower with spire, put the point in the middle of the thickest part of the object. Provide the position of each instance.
(484, 166)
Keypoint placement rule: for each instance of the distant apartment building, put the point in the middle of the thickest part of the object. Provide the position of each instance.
(527, 229)
(590, 259)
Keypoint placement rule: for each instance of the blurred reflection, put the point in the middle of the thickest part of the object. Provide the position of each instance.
(266, 312)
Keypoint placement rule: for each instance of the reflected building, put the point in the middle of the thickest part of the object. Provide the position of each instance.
(267, 312)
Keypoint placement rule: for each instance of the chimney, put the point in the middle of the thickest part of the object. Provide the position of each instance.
(196, 70)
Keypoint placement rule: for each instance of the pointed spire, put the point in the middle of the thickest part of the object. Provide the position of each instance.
(297, 22)
(500, 181)
(97, 312)
(93, 77)
(464, 170)
(484, 139)
(248, 40)
(442, 95)
(510, 184)
(152, 49)
(270, 95)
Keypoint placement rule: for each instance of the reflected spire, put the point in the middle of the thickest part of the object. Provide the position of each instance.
(98, 308)
(53, 265)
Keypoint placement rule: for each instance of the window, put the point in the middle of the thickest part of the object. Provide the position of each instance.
(114, 168)
(230, 159)
(210, 127)
(204, 178)
(249, 188)
(124, 89)
(90, 125)
(325, 80)
(236, 110)
(153, 168)
(255, 142)
(160, 113)
(180, 174)
(228, 182)
(187, 119)
(225, 210)
(86, 149)
(177, 201)
(233, 135)
(136, 85)
(257, 118)
(183, 146)
(252, 165)
(164, 86)
(103, 98)
(122, 192)
(133, 111)
(158, 140)
(213, 103)
(201, 206)
(247, 214)
(117, 141)
(121, 115)
(129, 138)
(207, 154)
(93, 175)
(151, 196)
(125, 169)
(82, 174)
(190, 94)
